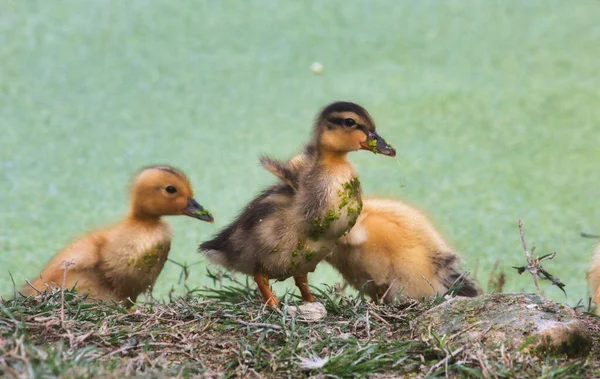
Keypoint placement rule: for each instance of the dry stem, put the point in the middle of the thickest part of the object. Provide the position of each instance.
(534, 264)
(62, 290)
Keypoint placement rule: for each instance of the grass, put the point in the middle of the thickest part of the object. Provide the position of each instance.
(229, 333)
(492, 107)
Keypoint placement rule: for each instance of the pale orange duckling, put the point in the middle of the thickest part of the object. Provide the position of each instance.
(392, 250)
(285, 233)
(124, 260)
(594, 278)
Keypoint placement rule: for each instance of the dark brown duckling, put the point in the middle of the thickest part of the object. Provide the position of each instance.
(285, 232)
(393, 249)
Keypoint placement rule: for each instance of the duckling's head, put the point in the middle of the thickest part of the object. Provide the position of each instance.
(344, 127)
(164, 191)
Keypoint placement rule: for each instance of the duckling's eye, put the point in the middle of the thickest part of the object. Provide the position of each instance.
(349, 122)
(171, 189)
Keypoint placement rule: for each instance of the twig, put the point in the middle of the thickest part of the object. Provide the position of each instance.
(588, 235)
(497, 278)
(534, 265)
(523, 240)
(445, 360)
(126, 348)
(387, 290)
(378, 317)
(259, 324)
(62, 291)
(368, 324)
(477, 323)
(484, 369)
(428, 282)
(31, 285)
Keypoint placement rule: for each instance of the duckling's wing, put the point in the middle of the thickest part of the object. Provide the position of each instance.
(280, 169)
(289, 172)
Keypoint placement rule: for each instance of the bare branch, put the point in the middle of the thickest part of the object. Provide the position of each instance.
(445, 360)
(259, 324)
(534, 265)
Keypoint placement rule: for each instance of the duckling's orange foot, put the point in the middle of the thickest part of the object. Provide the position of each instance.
(272, 302)
(302, 284)
(262, 281)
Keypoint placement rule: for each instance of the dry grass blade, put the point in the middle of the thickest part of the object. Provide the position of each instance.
(445, 361)
(496, 279)
(62, 291)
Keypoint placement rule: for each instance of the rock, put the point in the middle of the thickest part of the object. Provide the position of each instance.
(308, 312)
(521, 321)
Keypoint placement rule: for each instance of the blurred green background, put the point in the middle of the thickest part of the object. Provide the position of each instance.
(493, 107)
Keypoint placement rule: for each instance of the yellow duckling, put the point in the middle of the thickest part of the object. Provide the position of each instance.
(393, 249)
(285, 233)
(594, 278)
(124, 260)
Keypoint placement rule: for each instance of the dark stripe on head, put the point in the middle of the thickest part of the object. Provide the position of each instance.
(340, 122)
(336, 120)
(344, 106)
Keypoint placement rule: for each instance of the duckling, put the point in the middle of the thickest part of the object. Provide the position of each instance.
(392, 249)
(123, 260)
(285, 233)
(594, 278)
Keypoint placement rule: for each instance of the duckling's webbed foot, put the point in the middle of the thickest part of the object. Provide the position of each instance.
(262, 281)
(302, 284)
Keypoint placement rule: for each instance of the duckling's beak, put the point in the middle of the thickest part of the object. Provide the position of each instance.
(377, 145)
(196, 210)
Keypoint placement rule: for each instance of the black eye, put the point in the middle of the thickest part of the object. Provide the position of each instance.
(349, 122)
(171, 189)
